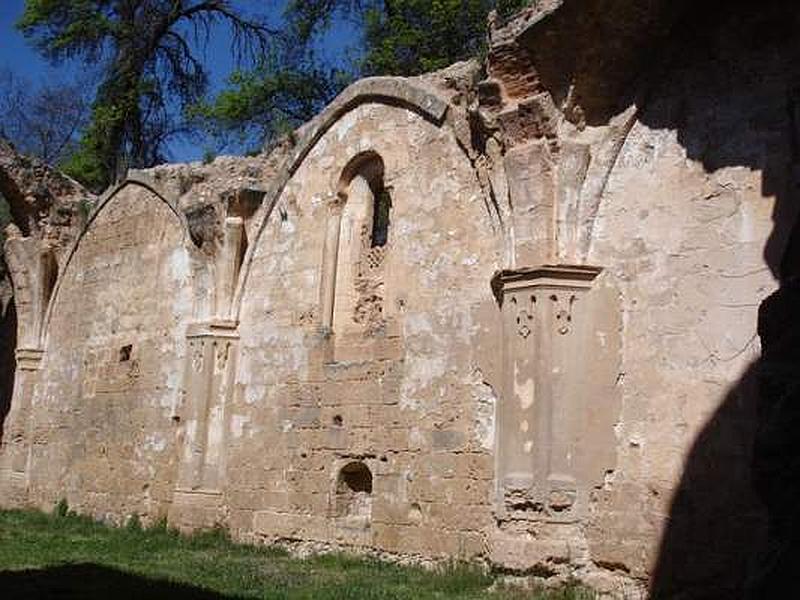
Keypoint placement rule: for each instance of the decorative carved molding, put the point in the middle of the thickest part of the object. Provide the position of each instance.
(546, 328)
(29, 359)
(207, 389)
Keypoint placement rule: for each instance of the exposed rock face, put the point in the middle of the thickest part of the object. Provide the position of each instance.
(512, 319)
(44, 202)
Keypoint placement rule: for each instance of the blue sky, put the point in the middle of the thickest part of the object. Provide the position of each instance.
(14, 51)
(18, 56)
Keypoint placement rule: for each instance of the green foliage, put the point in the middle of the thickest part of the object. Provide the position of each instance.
(160, 526)
(87, 164)
(271, 100)
(458, 578)
(404, 37)
(150, 73)
(134, 523)
(67, 28)
(153, 87)
(210, 562)
(208, 156)
(398, 37)
(408, 37)
(85, 209)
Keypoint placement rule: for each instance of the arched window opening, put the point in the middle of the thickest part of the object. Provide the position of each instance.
(369, 167)
(356, 248)
(354, 494)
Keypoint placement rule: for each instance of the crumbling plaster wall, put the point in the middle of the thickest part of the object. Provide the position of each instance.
(118, 422)
(48, 210)
(684, 249)
(409, 396)
(677, 178)
(693, 225)
(693, 218)
(633, 223)
(100, 429)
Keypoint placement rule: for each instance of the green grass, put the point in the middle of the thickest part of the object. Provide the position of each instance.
(67, 556)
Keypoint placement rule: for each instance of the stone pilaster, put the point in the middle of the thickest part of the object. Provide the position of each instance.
(16, 444)
(550, 338)
(203, 415)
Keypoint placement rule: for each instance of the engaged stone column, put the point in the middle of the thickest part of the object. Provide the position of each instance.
(228, 264)
(16, 446)
(555, 351)
(329, 261)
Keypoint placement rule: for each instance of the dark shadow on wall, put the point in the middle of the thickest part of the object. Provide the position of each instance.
(94, 582)
(730, 87)
(716, 522)
(8, 345)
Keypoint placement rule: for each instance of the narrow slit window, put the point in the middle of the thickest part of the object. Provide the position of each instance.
(380, 217)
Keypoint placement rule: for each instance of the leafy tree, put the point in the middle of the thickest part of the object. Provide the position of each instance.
(272, 99)
(146, 50)
(409, 37)
(397, 37)
(405, 37)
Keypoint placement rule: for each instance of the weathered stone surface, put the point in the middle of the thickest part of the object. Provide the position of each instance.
(43, 201)
(512, 320)
(48, 210)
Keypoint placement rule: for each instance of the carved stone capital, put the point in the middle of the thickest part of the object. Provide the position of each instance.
(569, 277)
(29, 359)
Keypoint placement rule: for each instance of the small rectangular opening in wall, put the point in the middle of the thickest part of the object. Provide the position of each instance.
(125, 353)
(380, 218)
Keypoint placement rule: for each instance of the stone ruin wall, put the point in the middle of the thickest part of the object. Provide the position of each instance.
(547, 364)
(100, 422)
(47, 212)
